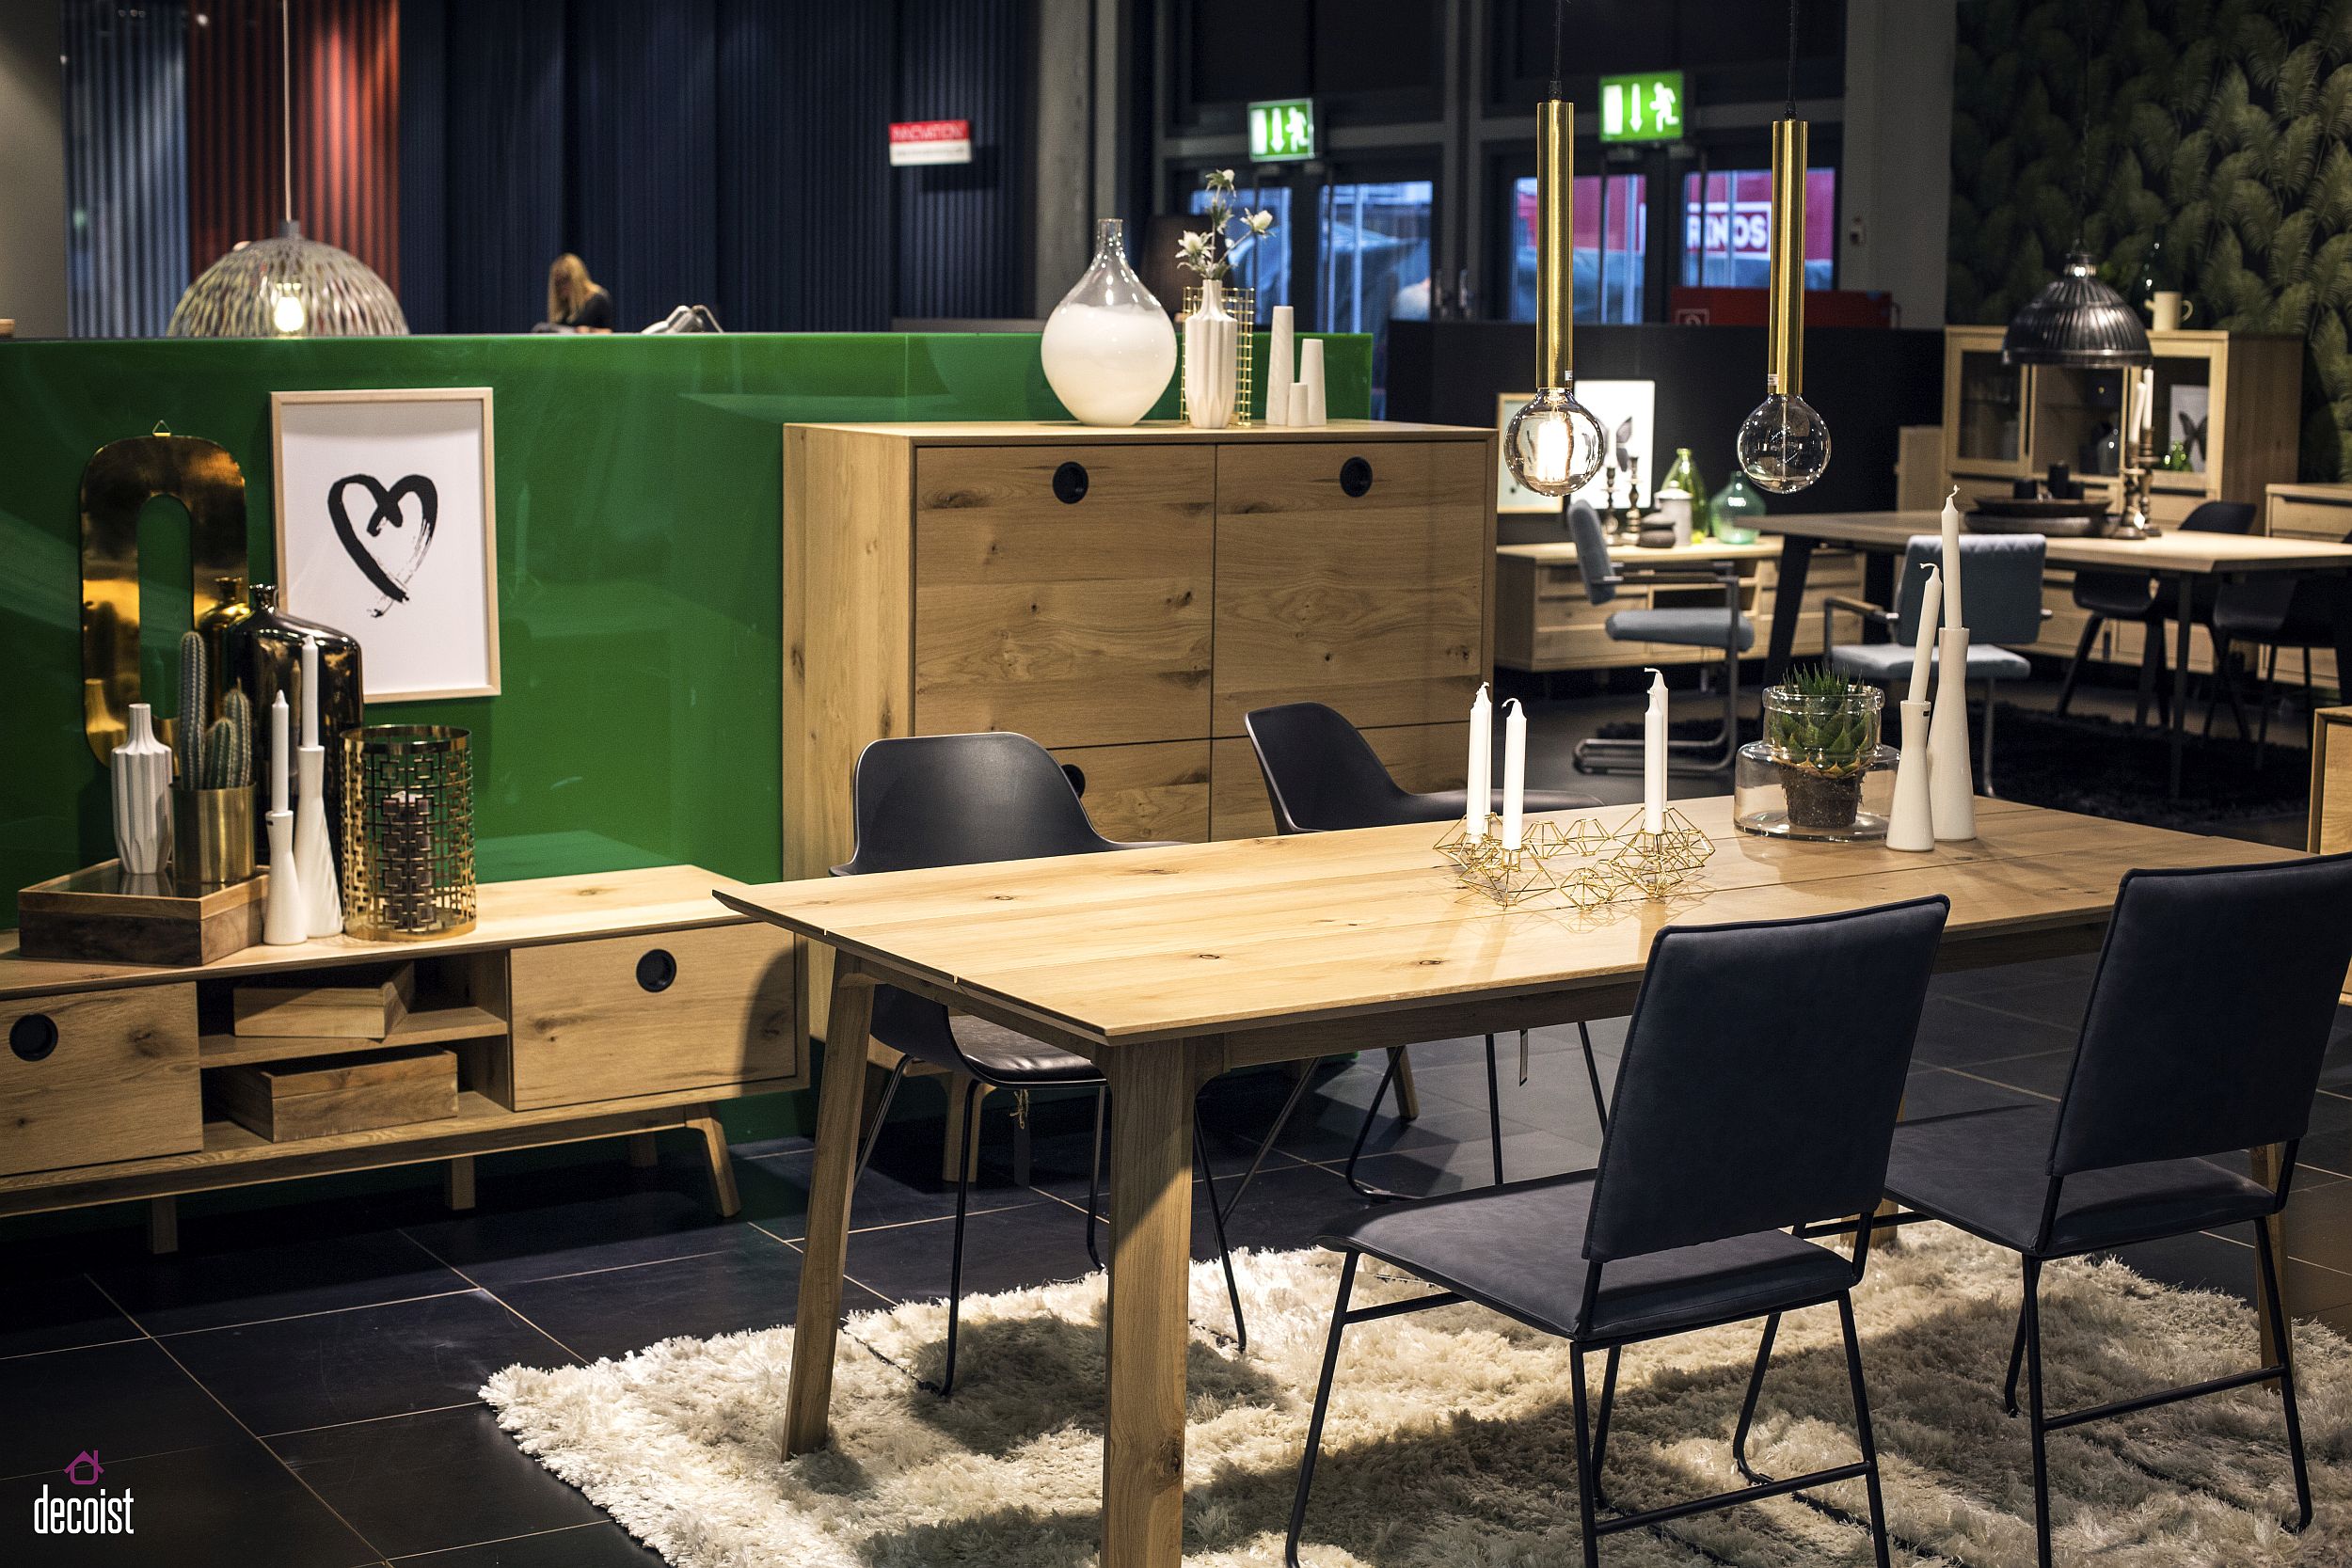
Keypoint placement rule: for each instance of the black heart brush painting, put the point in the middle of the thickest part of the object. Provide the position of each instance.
(386, 528)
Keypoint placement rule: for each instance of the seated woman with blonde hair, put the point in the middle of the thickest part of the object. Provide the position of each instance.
(575, 302)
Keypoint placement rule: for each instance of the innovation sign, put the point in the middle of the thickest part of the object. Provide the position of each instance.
(1648, 108)
(1282, 130)
(931, 141)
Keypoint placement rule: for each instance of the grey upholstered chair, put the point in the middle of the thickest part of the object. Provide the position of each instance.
(2000, 580)
(1794, 1121)
(2207, 1029)
(1692, 626)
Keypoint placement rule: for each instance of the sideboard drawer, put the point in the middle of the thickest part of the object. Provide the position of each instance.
(1354, 576)
(627, 1016)
(2298, 517)
(1063, 591)
(98, 1076)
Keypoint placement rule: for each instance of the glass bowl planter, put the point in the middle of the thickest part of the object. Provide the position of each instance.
(1820, 744)
(1761, 799)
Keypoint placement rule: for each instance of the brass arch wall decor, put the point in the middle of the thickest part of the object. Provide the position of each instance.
(122, 478)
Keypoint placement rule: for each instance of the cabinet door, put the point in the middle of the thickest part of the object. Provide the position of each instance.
(623, 1016)
(102, 1075)
(1147, 793)
(1063, 591)
(1361, 587)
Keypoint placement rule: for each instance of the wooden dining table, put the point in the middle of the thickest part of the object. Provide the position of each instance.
(1168, 966)
(2176, 558)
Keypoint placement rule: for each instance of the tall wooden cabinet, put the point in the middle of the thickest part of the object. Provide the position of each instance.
(1125, 598)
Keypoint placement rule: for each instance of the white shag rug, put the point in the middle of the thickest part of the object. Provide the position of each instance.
(1449, 1442)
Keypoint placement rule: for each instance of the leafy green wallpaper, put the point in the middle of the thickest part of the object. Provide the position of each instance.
(2217, 141)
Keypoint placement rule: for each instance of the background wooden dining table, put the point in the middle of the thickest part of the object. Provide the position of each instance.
(1168, 966)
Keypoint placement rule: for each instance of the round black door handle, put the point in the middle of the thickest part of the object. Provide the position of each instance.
(33, 1036)
(1355, 476)
(1069, 483)
(657, 971)
(1076, 775)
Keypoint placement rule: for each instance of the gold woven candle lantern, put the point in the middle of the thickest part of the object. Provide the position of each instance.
(407, 832)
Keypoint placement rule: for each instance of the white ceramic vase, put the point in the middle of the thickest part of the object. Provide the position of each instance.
(1109, 348)
(1211, 360)
(1951, 776)
(314, 856)
(142, 792)
(1912, 824)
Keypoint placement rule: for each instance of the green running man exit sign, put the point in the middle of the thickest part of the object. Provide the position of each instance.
(1281, 130)
(1648, 108)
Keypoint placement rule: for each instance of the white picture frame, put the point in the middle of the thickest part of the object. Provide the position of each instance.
(1613, 403)
(414, 575)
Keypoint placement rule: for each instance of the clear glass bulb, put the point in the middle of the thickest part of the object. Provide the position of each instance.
(1553, 445)
(1784, 444)
(286, 311)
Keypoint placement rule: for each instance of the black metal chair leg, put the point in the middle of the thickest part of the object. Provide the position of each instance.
(1365, 1132)
(1095, 1177)
(1592, 1071)
(1494, 1109)
(1281, 1120)
(2074, 668)
(1747, 1405)
(2016, 1364)
(2279, 1330)
(1585, 1476)
(882, 1114)
(2034, 1413)
(1862, 1430)
(955, 1263)
(1323, 1405)
(1217, 1222)
(1600, 1421)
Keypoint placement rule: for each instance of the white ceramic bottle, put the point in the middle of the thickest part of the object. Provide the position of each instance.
(142, 785)
(1212, 360)
(1109, 347)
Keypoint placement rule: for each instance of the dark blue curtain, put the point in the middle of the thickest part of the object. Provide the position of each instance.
(425, 166)
(643, 202)
(126, 110)
(964, 229)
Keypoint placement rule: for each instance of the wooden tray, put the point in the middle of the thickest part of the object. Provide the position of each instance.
(103, 913)
(363, 1003)
(288, 1100)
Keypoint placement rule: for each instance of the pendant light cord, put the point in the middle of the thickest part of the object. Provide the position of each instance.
(1559, 34)
(2082, 160)
(1792, 60)
(285, 98)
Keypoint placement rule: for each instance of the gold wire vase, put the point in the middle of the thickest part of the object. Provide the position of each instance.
(407, 832)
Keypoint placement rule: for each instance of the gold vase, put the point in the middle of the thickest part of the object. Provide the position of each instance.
(211, 837)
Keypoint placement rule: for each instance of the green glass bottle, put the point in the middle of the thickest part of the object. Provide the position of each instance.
(1684, 475)
(1735, 512)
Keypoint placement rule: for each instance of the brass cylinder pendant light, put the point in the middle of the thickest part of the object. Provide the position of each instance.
(1554, 445)
(1784, 444)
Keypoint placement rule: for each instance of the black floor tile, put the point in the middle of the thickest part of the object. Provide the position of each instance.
(1003, 1250)
(902, 1186)
(421, 1483)
(230, 1504)
(2044, 1073)
(495, 1249)
(586, 1547)
(752, 1282)
(1934, 1092)
(58, 1313)
(191, 1290)
(2197, 1263)
(360, 1364)
(2058, 1003)
(1956, 1032)
(127, 1398)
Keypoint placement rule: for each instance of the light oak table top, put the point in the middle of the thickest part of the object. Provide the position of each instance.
(2171, 551)
(1699, 551)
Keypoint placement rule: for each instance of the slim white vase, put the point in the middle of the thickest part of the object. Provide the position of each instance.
(1310, 377)
(1109, 348)
(142, 792)
(1952, 783)
(1911, 825)
(1280, 354)
(313, 854)
(1211, 360)
(285, 920)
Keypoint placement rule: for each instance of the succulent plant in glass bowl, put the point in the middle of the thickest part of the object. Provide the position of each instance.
(1821, 730)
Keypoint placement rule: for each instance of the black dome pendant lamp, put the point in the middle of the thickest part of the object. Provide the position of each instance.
(2077, 321)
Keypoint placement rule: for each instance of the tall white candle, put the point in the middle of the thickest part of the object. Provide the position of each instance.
(1952, 616)
(2147, 402)
(1480, 790)
(281, 755)
(1923, 649)
(1513, 774)
(1654, 756)
(310, 692)
(1279, 377)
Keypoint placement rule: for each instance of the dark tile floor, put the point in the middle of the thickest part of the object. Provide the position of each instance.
(297, 1387)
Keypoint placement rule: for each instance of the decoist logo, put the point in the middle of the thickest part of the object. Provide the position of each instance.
(96, 1512)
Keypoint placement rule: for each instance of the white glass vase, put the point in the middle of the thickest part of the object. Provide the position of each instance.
(1109, 347)
(1211, 360)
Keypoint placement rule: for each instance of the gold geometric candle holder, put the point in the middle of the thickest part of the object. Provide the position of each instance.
(1656, 866)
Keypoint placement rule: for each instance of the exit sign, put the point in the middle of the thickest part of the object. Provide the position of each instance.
(1648, 108)
(1281, 131)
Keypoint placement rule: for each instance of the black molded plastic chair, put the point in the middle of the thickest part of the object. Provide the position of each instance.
(2204, 1034)
(1323, 776)
(2271, 610)
(2133, 596)
(1794, 1120)
(963, 799)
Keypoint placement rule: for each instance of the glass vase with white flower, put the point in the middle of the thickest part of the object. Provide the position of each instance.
(1217, 322)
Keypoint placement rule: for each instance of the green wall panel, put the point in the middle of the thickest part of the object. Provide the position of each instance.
(639, 495)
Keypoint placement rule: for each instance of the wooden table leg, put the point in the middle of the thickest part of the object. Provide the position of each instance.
(826, 1252)
(1796, 560)
(2183, 612)
(1143, 1455)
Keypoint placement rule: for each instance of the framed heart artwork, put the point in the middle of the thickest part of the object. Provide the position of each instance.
(387, 528)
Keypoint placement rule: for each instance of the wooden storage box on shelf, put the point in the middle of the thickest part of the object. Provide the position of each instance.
(103, 916)
(96, 1076)
(361, 1002)
(284, 1102)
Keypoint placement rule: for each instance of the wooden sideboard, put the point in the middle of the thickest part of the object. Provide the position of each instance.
(578, 1007)
(1125, 598)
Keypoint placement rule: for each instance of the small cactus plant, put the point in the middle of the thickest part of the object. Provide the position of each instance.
(228, 745)
(187, 740)
(1823, 730)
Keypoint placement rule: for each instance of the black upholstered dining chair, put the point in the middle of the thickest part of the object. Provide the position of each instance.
(966, 800)
(1795, 1120)
(2204, 1034)
(1323, 776)
(2133, 596)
